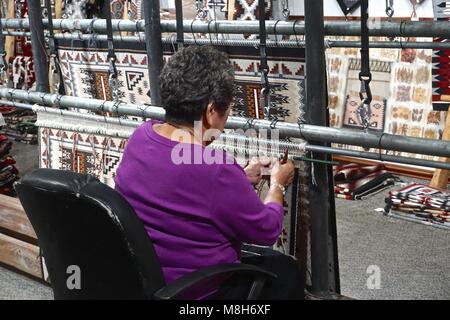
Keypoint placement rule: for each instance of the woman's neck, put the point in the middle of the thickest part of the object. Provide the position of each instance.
(179, 133)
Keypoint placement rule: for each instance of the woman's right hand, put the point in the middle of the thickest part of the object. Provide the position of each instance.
(282, 173)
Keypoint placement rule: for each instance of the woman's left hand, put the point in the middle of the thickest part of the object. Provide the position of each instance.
(256, 169)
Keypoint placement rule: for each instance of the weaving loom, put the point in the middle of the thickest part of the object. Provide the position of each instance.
(93, 145)
(93, 142)
(85, 74)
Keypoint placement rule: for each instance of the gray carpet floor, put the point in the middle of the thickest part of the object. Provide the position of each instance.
(413, 259)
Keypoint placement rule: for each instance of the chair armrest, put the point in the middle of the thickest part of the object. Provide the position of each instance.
(259, 275)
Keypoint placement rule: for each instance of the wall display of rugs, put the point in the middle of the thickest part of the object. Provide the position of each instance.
(410, 110)
(347, 110)
(20, 73)
(337, 67)
(379, 85)
(401, 88)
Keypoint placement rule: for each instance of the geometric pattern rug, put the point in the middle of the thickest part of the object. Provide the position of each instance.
(85, 74)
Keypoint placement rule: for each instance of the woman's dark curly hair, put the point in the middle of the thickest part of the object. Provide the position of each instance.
(194, 77)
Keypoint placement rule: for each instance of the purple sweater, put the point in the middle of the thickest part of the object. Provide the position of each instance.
(197, 215)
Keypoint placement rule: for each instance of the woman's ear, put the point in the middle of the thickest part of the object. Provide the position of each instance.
(208, 114)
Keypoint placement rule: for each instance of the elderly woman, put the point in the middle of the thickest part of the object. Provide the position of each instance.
(200, 210)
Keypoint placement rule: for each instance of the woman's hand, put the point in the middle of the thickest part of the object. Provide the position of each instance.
(257, 168)
(282, 174)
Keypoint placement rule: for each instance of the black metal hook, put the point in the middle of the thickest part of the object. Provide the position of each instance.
(273, 124)
(192, 31)
(275, 32)
(250, 123)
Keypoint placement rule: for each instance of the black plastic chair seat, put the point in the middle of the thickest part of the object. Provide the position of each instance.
(81, 222)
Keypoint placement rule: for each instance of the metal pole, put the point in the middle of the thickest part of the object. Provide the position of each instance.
(425, 29)
(154, 47)
(306, 132)
(379, 157)
(38, 45)
(179, 17)
(315, 114)
(16, 104)
(248, 43)
(390, 45)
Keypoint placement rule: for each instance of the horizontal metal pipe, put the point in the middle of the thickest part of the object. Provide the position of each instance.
(427, 29)
(301, 43)
(16, 104)
(299, 148)
(430, 29)
(87, 116)
(16, 33)
(99, 37)
(390, 45)
(250, 43)
(303, 131)
(83, 129)
(379, 157)
(295, 149)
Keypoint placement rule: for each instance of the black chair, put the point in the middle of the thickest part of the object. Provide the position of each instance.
(81, 221)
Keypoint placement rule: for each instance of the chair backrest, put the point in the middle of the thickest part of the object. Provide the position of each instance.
(83, 223)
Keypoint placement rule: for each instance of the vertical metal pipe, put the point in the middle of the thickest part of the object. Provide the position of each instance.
(316, 114)
(154, 47)
(38, 45)
(179, 17)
